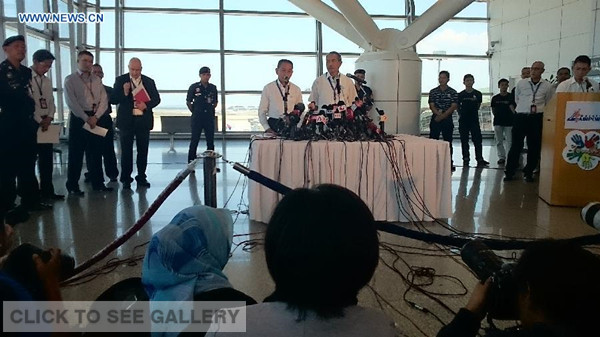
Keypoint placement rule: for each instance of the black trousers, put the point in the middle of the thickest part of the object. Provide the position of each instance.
(107, 148)
(201, 122)
(45, 167)
(530, 126)
(445, 127)
(80, 142)
(18, 153)
(466, 127)
(141, 134)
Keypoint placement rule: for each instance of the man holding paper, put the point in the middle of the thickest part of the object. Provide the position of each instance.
(41, 89)
(87, 100)
(136, 96)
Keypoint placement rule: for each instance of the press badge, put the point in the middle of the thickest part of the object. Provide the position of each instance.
(43, 103)
(533, 109)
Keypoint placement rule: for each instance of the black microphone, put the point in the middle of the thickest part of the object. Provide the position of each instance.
(337, 86)
(356, 78)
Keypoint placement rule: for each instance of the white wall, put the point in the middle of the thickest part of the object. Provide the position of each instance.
(552, 31)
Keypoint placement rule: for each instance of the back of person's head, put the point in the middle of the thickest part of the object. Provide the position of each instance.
(563, 281)
(321, 248)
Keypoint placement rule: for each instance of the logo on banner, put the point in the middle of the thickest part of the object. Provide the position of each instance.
(582, 115)
(582, 149)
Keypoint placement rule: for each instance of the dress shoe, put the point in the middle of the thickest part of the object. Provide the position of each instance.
(482, 163)
(501, 161)
(453, 168)
(142, 182)
(103, 188)
(53, 196)
(75, 192)
(38, 206)
(529, 178)
(466, 163)
(16, 216)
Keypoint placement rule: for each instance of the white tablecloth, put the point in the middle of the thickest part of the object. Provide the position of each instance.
(363, 167)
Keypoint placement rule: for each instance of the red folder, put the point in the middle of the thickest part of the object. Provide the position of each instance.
(141, 96)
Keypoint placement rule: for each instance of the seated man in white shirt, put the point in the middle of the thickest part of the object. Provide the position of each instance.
(579, 82)
(278, 97)
(332, 87)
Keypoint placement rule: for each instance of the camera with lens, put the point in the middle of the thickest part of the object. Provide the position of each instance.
(502, 297)
(20, 266)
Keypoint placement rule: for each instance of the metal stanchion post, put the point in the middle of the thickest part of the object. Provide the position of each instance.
(210, 177)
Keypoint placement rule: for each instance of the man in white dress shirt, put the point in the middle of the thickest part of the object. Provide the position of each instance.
(531, 95)
(579, 82)
(332, 87)
(41, 89)
(278, 97)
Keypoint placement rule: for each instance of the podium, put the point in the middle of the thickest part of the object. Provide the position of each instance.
(570, 161)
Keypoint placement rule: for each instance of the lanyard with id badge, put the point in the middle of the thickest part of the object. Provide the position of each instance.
(43, 102)
(533, 108)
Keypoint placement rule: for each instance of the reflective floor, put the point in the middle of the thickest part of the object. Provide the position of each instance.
(482, 203)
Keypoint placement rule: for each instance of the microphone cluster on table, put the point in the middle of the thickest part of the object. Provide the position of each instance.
(338, 122)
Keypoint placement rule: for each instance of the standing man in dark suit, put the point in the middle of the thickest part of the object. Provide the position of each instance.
(107, 151)
(136, 96)
(202, 99)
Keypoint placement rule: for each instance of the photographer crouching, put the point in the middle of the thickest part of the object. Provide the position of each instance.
(557, 295)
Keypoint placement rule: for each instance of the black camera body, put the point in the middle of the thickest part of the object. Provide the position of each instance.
(20, 266)
(503, 295)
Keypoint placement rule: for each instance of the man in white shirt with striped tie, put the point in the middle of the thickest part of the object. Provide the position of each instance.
(278, 97)
(579, 82)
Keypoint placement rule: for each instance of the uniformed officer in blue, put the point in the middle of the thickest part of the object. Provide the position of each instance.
(202, 98)
(17, 131)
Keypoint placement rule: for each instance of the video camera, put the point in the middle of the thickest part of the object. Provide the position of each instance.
(20, 266)
(502, 297)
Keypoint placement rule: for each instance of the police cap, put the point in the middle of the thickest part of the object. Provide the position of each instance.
(13, 39)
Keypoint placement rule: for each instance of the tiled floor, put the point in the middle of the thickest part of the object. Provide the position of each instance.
(482, 203)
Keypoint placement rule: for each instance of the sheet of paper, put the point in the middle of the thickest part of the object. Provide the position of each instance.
(50, 136)
(98, 130)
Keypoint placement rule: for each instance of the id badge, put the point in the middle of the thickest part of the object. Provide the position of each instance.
(533, 109)
(209, 100)
(43, 103)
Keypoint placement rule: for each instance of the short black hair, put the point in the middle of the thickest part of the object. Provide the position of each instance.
(564, 68)
(204, 70)
(360, 71)
(282, 61)
(84, 52)
(43, 55)
(583, 59)
(467, 76)
(562, 279)
(446, 72)
(502, 80)
(339, 56)
(320, 259)
(96, 65)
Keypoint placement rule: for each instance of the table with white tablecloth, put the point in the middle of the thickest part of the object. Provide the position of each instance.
(407, 178)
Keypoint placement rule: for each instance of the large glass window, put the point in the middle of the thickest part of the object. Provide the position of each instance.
(253, 72)
(168, 30)
(194, 4)
(263, 5)
(176, 71)
(269, 33)
(466, 38)
(35, 7)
